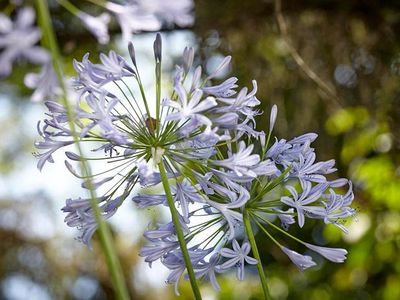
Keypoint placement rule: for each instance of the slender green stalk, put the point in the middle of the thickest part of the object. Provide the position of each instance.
(250, 235)
(280, 229)
(69, 6)
(104, 232)
(179, 232)
(151, 125)
(264, 150)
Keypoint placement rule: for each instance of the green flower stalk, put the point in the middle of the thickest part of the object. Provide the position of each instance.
(104, 232)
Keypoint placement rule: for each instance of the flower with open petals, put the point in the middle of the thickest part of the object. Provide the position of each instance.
(237, 257)
(98, 26)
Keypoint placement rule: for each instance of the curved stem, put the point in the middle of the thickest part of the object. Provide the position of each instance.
(106, 241)
(179, 232)
(250, 235)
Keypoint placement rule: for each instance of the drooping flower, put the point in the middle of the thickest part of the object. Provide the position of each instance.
(301, 261)
(45, 83)
(174, 261)
(80, 215)
(98, 26)
(336, 255)
(208, 269)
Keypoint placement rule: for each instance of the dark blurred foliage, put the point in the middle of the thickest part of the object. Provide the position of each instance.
(353, 49)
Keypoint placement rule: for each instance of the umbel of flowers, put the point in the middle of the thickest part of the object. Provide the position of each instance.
(220, 175)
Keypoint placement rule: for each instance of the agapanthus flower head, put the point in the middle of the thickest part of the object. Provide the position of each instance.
(218, 166)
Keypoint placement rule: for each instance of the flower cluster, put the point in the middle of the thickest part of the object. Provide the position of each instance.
(151, 15)
(134, 16)
(219, 167)
(19, 37)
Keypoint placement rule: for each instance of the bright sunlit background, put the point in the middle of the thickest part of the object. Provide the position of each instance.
(352, 102)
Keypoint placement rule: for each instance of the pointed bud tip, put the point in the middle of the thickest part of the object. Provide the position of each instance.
(131, 50)
(157, 47)
(272, 119)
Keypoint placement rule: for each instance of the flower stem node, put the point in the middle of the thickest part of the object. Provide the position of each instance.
(157, 154)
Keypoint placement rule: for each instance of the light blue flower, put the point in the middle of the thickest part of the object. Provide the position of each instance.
(242, 104)
(98, 26)
(237, 258)
(162, 231)
(242, 162)
(151, 15)
(102, 116)
(336, 255)
(92, 77)
(205, 135)
(301, 261)
(337, 208)
(224, 89)
(189, 108)
(45, 83)
(146, 200)
(187, 57)
(80, 215)
(147, 174)
(231, 216)
(301, 202)
(221, 66)
(186, 193)
(208, 269)
(19, 39)
(285, 217)
(174, 261)
(158, 248)
(95, 184)
(51, 146)
(306, 170)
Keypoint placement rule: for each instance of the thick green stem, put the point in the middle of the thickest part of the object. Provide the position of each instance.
(179, 232)
(103, 230)
(250, 235)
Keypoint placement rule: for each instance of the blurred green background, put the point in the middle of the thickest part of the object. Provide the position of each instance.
(332, 67)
